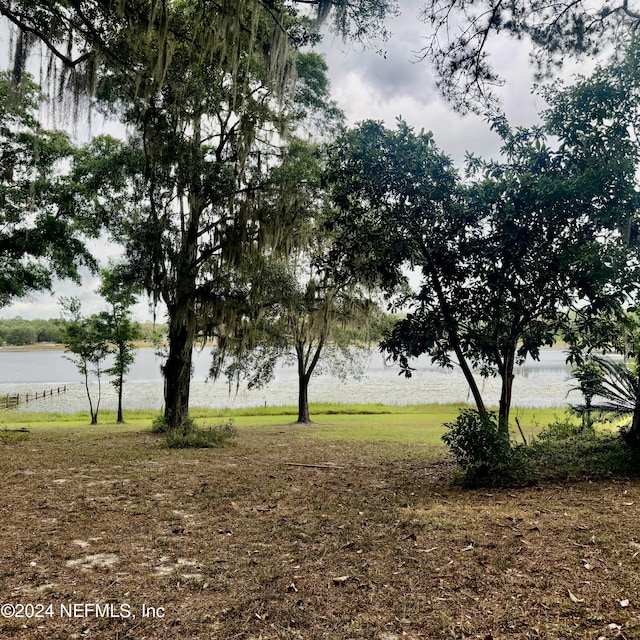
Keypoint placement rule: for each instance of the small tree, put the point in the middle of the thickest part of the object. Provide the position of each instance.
(305, 316)
(122, 331)
(86, 340)
(589, 375)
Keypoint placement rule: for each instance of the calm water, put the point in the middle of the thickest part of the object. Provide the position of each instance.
(538, 384)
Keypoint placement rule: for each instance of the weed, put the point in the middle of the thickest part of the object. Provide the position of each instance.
(13, 435)
(191, 436)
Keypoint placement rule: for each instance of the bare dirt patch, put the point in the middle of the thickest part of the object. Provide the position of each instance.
(286, 536)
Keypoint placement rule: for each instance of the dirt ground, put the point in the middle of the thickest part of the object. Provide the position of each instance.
(288, 536)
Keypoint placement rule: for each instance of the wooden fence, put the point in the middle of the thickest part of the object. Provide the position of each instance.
(11, 401)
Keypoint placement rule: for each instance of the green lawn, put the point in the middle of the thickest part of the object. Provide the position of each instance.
(422, 424)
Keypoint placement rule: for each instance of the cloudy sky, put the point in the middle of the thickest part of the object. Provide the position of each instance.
(369, 85)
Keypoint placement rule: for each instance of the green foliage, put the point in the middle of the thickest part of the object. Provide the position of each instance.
(86, 340)
(507, 256)
(581, 456)
(18, 333)
(302, 306)
(40, 234)
(481, 449)
(192, 436)
(158, 424)
(208, 92)
(617, 392)
(565, 430)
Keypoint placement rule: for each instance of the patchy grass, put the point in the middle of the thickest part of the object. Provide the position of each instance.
(294, 534)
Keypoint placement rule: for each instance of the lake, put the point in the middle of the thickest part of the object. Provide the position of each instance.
(537, 384)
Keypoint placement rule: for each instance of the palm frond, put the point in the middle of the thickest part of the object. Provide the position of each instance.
(618, 389)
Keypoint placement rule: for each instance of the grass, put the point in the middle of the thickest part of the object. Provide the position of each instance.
(420, 424)
(305, 532)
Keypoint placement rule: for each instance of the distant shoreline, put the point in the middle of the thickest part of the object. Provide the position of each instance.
(53, 346)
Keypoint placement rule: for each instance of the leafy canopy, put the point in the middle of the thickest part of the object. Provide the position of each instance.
(40, 233)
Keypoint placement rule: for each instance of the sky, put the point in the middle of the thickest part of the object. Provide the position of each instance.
(366, 85)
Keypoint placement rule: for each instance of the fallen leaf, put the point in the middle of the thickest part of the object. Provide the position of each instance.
(574, 599)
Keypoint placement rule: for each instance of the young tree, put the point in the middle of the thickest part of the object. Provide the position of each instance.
(86, 339)
(507, 257)
(39, 235)
(305, 315)
(122, 331)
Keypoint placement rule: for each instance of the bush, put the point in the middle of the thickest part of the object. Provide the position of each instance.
(566, 429)
(582, 456)
(631, 437)
(481, 450)
(191, 436)
(159, 424)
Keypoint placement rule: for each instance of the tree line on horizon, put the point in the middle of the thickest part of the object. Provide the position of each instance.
(23, 332)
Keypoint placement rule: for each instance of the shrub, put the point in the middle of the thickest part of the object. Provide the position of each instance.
(192, 436)
(159, 425)
(565, 429)
(481, 450)
(582, 456)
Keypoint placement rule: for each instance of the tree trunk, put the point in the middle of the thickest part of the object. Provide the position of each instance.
(120, 419)
(454, 339)
(635, 424)
(177, 369)
(305, 369)
(506, 391)
(303, 400)
(92, 413)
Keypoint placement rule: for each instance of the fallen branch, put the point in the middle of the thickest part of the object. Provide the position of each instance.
(314, 466)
